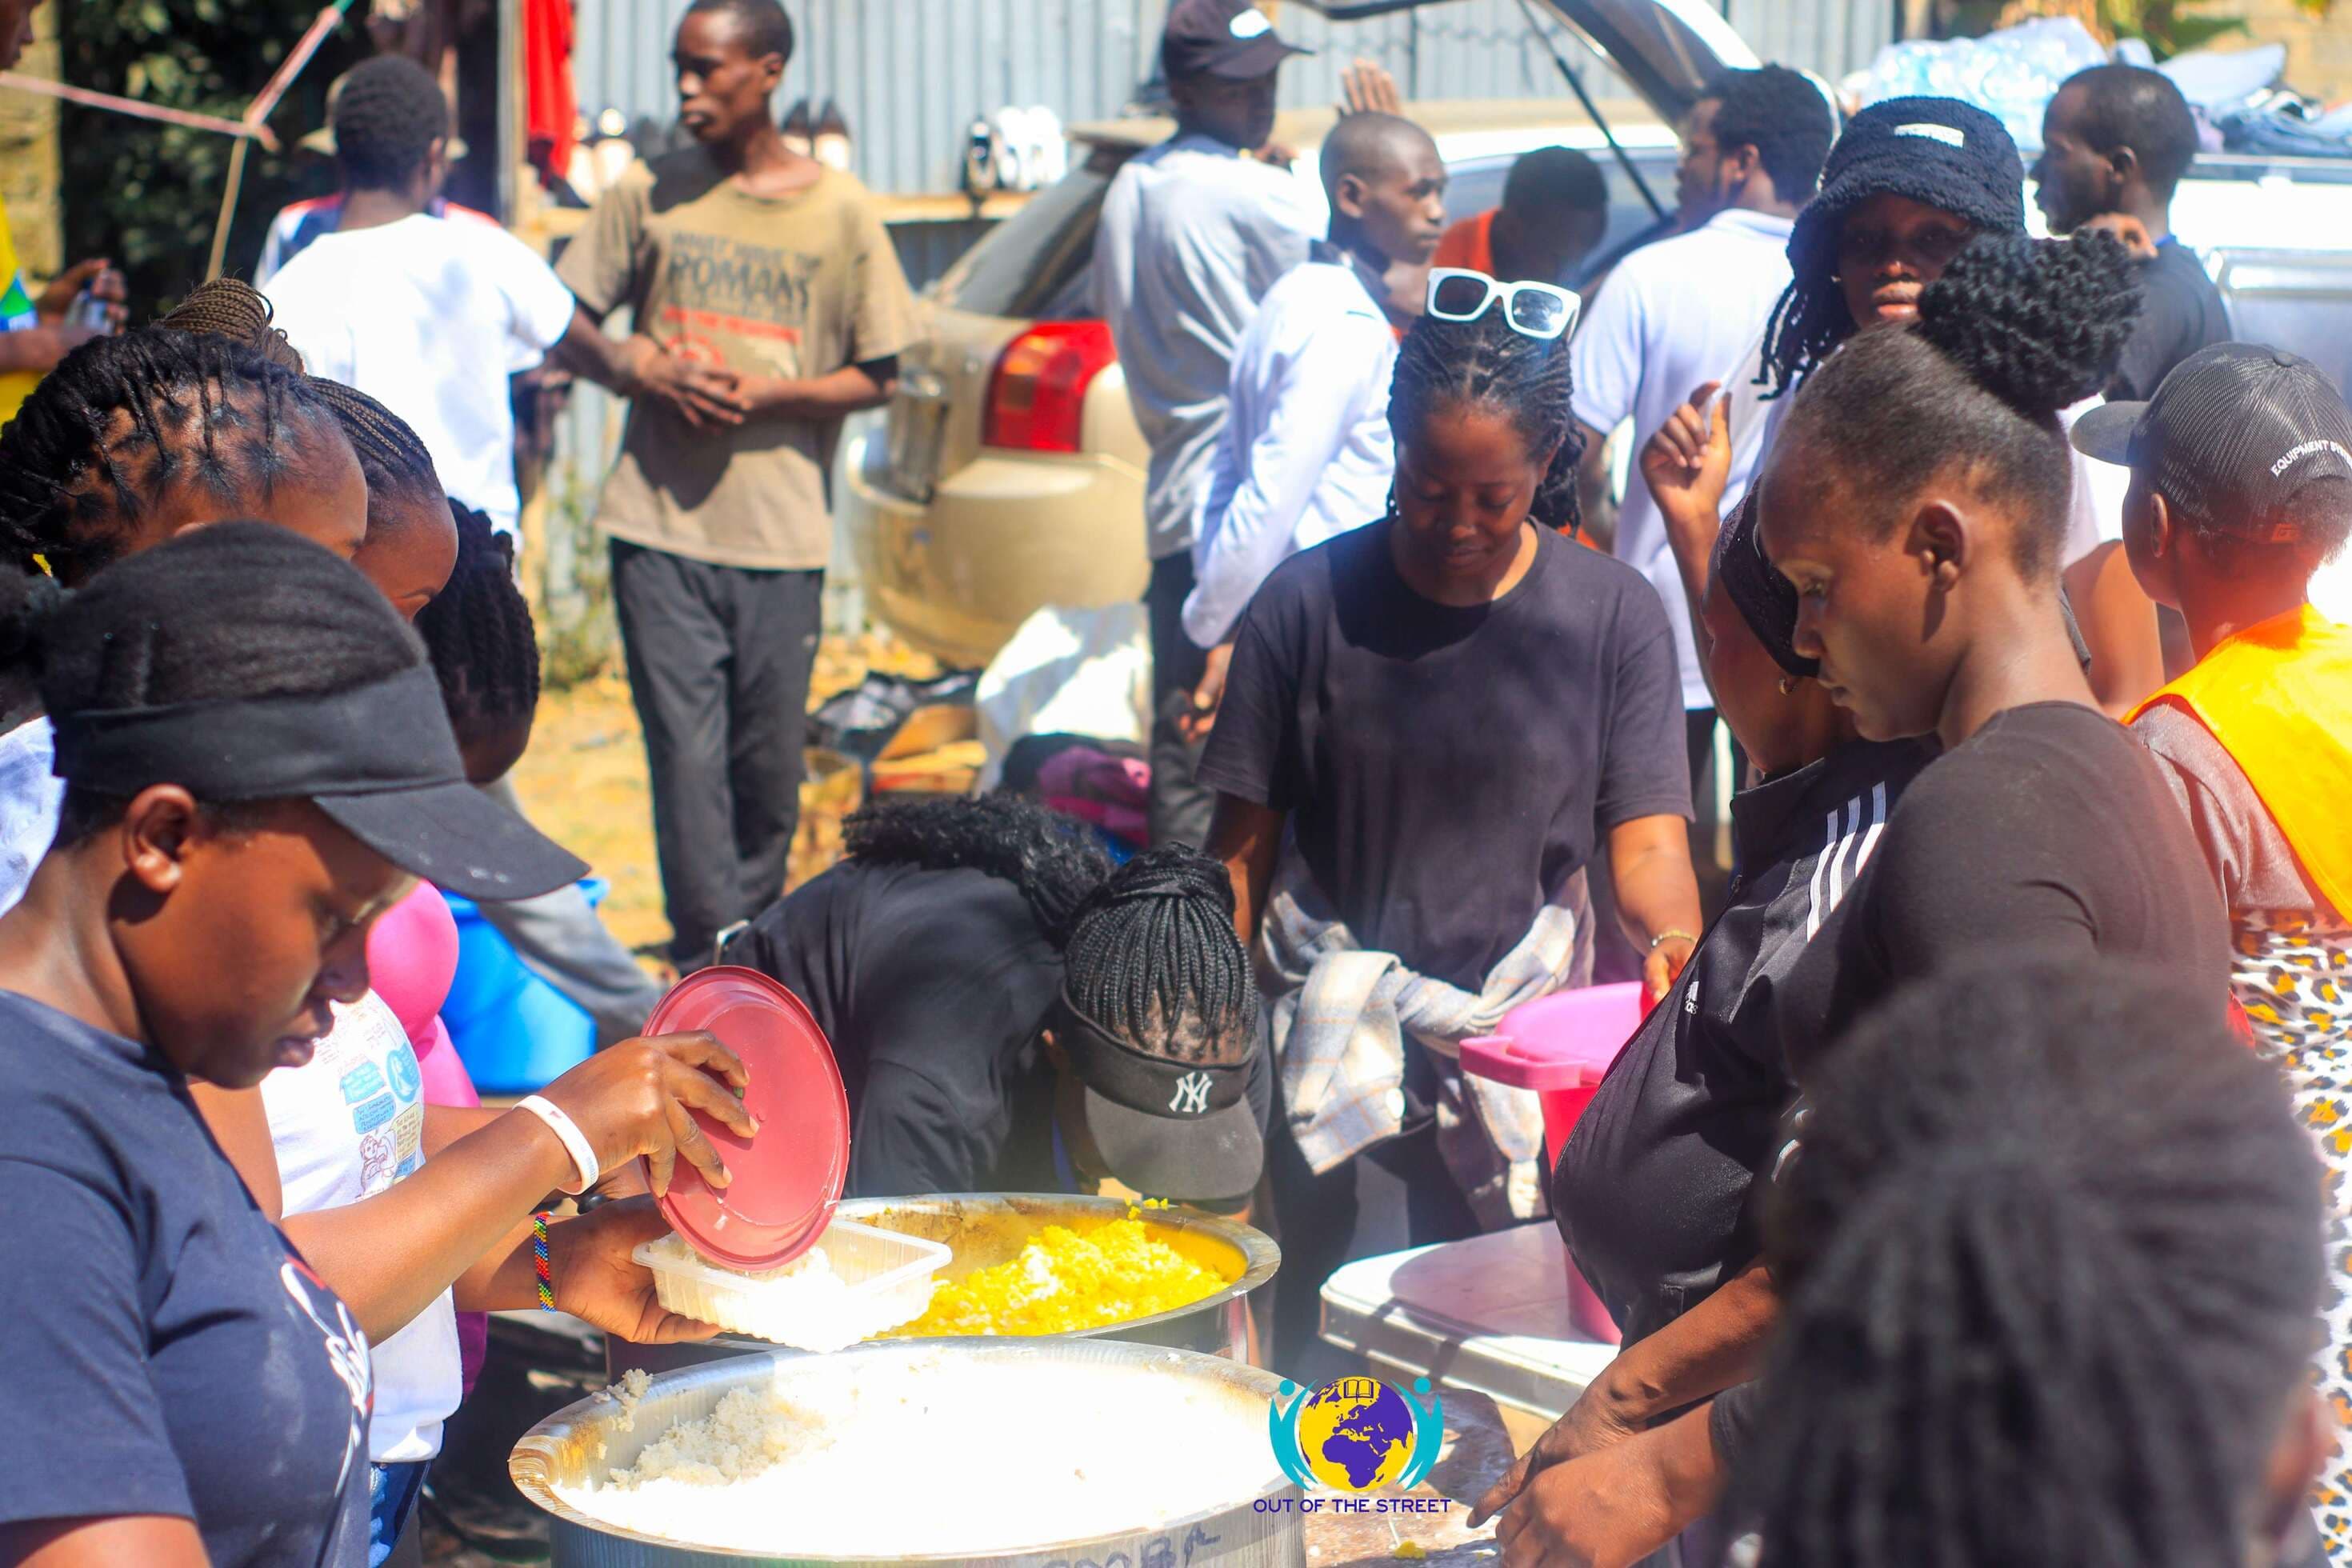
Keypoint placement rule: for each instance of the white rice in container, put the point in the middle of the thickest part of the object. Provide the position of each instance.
(935, 1454)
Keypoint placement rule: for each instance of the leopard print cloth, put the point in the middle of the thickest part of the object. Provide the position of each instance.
(2293, 978)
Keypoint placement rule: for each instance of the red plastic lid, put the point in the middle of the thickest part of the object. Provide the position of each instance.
(788, 1179)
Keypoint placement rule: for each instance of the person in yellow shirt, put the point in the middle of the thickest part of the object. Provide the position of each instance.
(2241, 487)
(34, 333)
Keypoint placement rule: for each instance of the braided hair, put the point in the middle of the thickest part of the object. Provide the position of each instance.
(233, 308)
(1050, 858)
(125, 421)
(1153, 960)
(392, 459)
(2051, 1247)
(2015, 330)
(239, 610)
(1489, 363)
(391, 455)
(479, 633)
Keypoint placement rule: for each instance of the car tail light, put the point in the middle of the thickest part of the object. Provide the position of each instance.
(1037, 394)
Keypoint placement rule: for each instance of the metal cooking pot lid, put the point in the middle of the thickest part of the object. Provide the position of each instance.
(788, 1179)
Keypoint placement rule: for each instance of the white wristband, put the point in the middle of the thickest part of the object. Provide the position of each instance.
(567, 1133)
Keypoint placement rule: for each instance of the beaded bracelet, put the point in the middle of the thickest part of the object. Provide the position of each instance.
(539, 1261)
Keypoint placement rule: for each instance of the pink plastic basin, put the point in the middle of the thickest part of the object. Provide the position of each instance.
(1562, 1047)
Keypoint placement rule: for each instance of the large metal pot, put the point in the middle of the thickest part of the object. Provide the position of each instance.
(585, 1442)
(983, 1229)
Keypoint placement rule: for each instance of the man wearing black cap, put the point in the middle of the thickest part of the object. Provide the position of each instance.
(2240, 485)
(2115, 142)
(1192, 234)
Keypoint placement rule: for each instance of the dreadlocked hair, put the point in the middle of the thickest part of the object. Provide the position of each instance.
(233, 612)
(2014, 331)
(392, 457)
(1051, 859)
(2052, 1250)
(125, 420)
(1153, 960)
(479, 634)
(232, 308)
(1489, 363)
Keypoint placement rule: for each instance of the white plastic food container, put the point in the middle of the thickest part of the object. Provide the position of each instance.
(857, 1281)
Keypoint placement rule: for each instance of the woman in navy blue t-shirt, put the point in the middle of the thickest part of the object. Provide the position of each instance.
(257, 764)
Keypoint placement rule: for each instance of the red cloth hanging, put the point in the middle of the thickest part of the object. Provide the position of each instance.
(550, 108)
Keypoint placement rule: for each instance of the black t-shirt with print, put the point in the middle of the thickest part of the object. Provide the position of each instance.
(2049, 834)
(168, 1354)
(1447, 769)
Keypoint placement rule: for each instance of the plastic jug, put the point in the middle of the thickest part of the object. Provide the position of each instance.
(1562, 1047)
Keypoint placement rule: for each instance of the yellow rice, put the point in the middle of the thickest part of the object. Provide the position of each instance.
(1064, 1281)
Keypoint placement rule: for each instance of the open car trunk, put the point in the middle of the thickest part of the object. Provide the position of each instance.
(1666, 51)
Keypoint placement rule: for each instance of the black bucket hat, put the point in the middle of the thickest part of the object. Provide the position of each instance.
(1939, 151)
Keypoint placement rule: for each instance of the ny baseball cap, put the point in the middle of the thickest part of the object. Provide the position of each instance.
(1167, 1128)
(1230, 38)
(2230, 438)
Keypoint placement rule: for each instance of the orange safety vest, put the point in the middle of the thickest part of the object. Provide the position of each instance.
(2278, 696)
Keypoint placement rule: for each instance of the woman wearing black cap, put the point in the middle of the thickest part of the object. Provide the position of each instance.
(257, 766)
(1916, 500)
(1909, 182)
(1651, 1192)
(2241, 486)
(1010, 1014)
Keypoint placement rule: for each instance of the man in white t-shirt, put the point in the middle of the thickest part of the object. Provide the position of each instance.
(1681, 313)
(428, 315)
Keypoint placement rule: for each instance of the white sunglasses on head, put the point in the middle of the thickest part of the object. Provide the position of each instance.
(1532, 310)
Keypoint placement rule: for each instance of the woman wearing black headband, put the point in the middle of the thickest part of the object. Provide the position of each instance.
(258, 765)
(1653, 1190)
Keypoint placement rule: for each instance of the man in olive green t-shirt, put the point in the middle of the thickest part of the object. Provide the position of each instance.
(769, 305)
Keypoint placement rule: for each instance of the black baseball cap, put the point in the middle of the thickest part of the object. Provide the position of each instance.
(1167, 1128)
(2230, 438)
(379, 759)
(1229, 38)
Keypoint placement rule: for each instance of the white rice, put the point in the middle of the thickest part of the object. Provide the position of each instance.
(937, 1453)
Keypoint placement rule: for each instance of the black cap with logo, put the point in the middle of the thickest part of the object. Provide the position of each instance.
(2230, 438)
(1230, 38)
(1166, 1127)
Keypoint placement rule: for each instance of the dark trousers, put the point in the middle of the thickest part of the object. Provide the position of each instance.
(1180, 806)
(1393, 1195)
(718, 660)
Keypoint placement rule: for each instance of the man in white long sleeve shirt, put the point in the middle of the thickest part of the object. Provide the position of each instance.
(1681, 311)
(1192, 234)
(1305, 452)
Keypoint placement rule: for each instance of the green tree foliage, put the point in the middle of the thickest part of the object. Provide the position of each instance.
(147, 194)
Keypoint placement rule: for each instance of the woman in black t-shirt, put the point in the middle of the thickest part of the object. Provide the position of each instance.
(1916, 500)
(257, 764)
(1442, 710)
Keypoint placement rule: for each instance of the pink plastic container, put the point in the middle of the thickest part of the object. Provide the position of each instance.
(1562, 1047)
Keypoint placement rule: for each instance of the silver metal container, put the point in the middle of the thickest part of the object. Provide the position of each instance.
(983, 1229)
(585, 1442)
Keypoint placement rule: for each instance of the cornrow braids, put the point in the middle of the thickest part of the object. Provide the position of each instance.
(125, 420)
(234, 308)
(479, 633)
(1488, 364)
(1152, 959)
(2051, 1245)
(392, 456)
(1049, 856)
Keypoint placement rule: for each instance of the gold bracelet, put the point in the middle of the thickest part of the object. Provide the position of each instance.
(1665, 937)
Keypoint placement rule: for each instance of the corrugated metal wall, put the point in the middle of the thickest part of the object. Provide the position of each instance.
(911, 75)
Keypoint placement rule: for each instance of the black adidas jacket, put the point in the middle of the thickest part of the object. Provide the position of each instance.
(1652, 1189)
